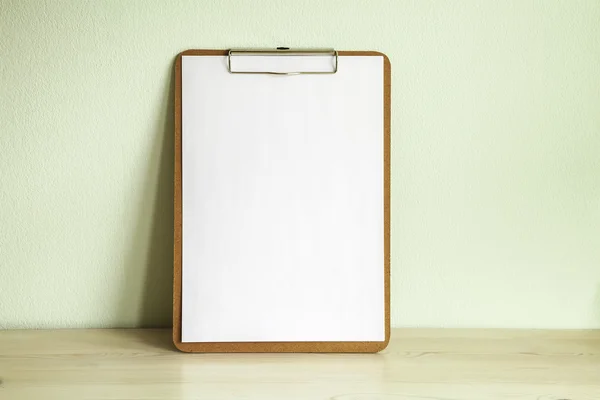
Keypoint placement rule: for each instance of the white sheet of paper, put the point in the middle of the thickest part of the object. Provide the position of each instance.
(282, 201)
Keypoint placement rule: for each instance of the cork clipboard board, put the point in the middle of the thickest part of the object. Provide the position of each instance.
(310, 346)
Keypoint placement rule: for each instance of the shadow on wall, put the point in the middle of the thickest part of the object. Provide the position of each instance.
(147, 288)
(596, 306)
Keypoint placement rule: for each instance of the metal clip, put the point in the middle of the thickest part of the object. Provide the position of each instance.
(285, 51)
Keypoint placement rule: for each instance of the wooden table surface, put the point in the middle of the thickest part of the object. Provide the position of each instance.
(418, 365)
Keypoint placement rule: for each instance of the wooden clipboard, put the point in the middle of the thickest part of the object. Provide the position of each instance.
(261, 347)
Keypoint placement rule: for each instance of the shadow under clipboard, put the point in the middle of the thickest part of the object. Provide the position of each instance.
(147, 288)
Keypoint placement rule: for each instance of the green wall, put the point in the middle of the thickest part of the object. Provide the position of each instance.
(496, 152)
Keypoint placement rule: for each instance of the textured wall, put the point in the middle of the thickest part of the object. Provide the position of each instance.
(496, 152)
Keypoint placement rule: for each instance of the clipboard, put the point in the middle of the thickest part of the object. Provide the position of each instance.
(231, 58)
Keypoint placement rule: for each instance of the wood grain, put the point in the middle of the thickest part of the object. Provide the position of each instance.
(294, 347)
(417, 365)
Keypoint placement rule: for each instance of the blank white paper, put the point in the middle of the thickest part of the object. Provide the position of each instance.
(283, 220)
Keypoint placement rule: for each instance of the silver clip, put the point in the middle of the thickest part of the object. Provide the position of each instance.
(283, 51)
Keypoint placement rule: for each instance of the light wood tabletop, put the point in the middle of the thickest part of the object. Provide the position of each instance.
(417, 365)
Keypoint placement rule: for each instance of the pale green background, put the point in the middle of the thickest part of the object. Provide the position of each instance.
(496, 152)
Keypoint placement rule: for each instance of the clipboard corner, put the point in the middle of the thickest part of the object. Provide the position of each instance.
(182, 347)
(386, 60)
